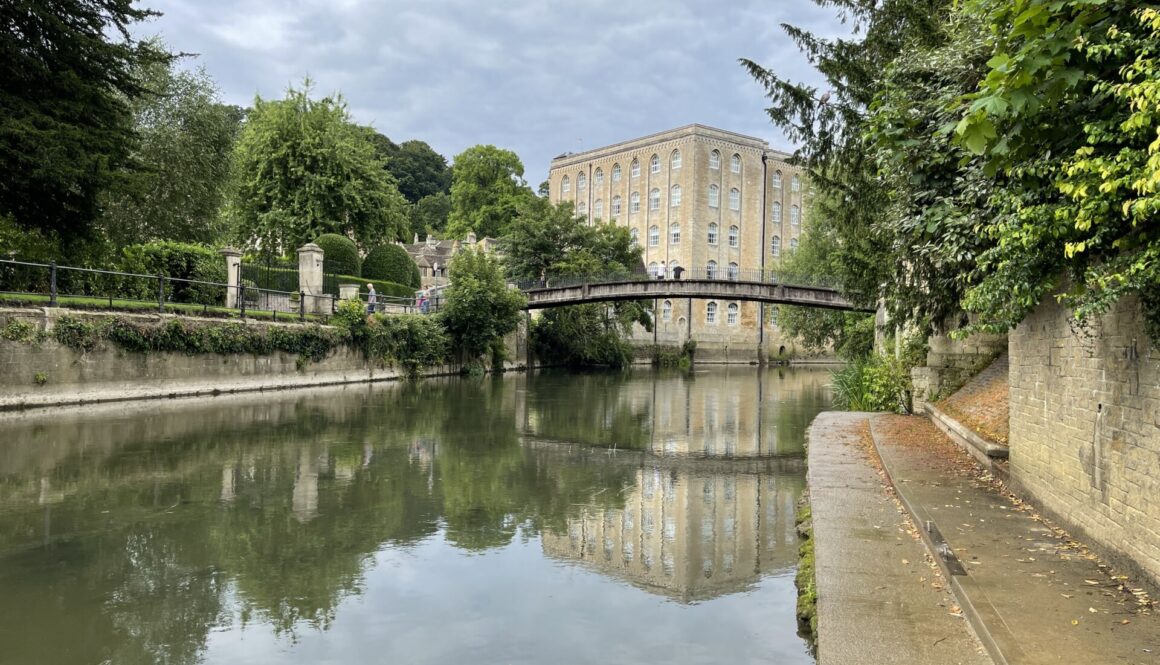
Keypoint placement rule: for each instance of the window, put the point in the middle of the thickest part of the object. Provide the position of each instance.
(715, 160)
(775, 246)
(711, 270)
(667, 311)
(565, 185)
(616, 206)
(634, 235)
(598, 209)
(734, 236)
(653, 270)
(654, 199)
(773, 315)
(675, 160)
(735, 199)
(616, 173)
(735, 163)
(582, 208)
(777, 179)
(654, 235)
(635, 168)
(714, 196)
(712, 233)
(634, 202)
(734, 272)
(711, 313)
(731, 314)
(675, 196)
(792, 245)
(777, 211)
(674, 233)
(794, 216)
(654, 164)
(795, 183)
(598, 176)
(581, 182)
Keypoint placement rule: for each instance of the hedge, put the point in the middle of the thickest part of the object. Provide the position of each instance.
(391, 263)
(340, 256)
(180, 261)
(382, 288)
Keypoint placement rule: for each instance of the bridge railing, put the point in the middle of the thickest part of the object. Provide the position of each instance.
(681, 274)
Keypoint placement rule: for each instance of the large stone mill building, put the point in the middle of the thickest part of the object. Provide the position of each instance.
(715, 203)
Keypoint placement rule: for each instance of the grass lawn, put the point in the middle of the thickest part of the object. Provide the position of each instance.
(87, 302)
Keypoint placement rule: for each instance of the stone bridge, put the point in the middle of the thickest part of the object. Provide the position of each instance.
(703, 289)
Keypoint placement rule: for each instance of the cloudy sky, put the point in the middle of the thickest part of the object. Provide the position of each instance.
(539, 77)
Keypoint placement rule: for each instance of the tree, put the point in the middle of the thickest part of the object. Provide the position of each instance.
(302, 168)
(480, 307)
(339, 255)
(429, 214)
(67, 77)
(487, 186)
(186, 137)
(419, 170)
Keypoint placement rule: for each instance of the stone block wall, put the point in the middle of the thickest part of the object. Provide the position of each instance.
(1085, 429)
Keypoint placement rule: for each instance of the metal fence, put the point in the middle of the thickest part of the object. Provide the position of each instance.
(707, 273)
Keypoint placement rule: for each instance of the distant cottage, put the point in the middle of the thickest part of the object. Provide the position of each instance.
(434, 255)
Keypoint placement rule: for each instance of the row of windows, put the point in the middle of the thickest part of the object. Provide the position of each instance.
(655, 167)
(654, 237)
(654, 203)
(732, 310)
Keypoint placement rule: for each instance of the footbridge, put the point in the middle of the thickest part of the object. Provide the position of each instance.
(765, 288)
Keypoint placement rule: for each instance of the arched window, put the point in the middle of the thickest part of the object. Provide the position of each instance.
(675, 160)
(653, 269)
(734, 236)
(634, 202)
(712, 233)
(711, 312)
(667, 310)
(775, 245)
(734, 271)
(777, 179)
(675, 233)
(731, 313)
(616, 173)
(616, 206)
(565, 185)
(735, 163)
(654, 199)
(795, 183)
(777, 211)
(635, 169)
(581, 182)
(675, 196)
(714, 196)
(793, 245)
(735, 199)
(582, 208)
(654, 164)
(794, 216)
(654, 235)
(598, 176)
(715, 160)
(634, 235)
(711, 270)
(598, 209)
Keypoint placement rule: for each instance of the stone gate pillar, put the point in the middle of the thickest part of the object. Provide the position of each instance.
(233, 274)
(310, 277)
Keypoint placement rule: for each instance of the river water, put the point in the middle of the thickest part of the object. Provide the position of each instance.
(556, 518)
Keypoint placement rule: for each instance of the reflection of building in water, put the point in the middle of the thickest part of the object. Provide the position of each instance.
(689, 536)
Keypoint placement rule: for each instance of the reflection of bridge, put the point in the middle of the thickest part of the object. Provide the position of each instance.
(710, 287)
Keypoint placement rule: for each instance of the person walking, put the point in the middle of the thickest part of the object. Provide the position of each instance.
(372, 298)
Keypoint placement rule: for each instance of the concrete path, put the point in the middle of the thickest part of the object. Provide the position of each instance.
(881, 598)
(1033, 595)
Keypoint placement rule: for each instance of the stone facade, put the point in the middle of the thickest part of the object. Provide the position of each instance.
(703, 199)
(1085, 428)
(433, 256)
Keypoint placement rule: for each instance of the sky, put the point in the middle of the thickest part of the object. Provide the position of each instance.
(538, 77)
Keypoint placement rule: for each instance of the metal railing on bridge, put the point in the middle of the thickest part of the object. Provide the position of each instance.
(704, 273)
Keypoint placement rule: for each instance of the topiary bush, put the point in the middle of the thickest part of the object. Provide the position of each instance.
(340, 256)
(391, 263)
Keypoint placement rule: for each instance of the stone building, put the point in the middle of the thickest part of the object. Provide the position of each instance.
(718, 204)
(433, 256)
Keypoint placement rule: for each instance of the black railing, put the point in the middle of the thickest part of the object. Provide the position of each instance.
(703, 273)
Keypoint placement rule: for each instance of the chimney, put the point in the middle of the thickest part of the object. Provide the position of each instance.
(471, 237)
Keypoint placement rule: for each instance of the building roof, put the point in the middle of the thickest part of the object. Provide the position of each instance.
(694, 129)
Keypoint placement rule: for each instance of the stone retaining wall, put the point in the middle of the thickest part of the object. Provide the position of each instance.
(1085, 428)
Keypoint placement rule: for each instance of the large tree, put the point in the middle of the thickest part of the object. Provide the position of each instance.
(67, 77)
(186, 138)
(487, 187)
(302, 168)
(480, 307)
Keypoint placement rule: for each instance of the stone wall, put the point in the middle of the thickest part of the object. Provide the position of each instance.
(1085, 429)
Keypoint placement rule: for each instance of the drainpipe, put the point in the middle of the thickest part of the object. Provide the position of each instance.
(761, 306)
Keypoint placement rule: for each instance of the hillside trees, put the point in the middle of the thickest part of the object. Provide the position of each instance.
(487, 188)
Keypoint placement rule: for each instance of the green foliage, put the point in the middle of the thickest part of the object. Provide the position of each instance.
(412, 341)
(487, 186)
(179, 261)
(340, 255)
(76, 333)
(681, 358)
(19, 330)
(67, 77)
(583, 336)
(391, 263)
(856, 339)
(479, 308)
(875, 383)
(429, 214)
(40, 378)
(302, 168)
(382, 288)
(806, 578)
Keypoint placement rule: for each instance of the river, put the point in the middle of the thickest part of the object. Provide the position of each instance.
(637, 517)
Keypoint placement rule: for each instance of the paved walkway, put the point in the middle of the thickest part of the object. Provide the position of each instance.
(1033, 595)
(881, 598)
(982, 404)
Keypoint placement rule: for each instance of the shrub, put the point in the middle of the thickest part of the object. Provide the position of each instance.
(179, 261)
(876, 383)
(340, 256)
(382, 288)
(391, 263)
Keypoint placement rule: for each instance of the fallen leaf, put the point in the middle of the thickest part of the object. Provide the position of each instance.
(1091, 582)
(1125, 622)
(1075, 622)
(1092, 610)
(1067, 595)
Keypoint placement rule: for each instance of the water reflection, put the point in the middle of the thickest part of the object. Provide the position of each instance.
(165, 532)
